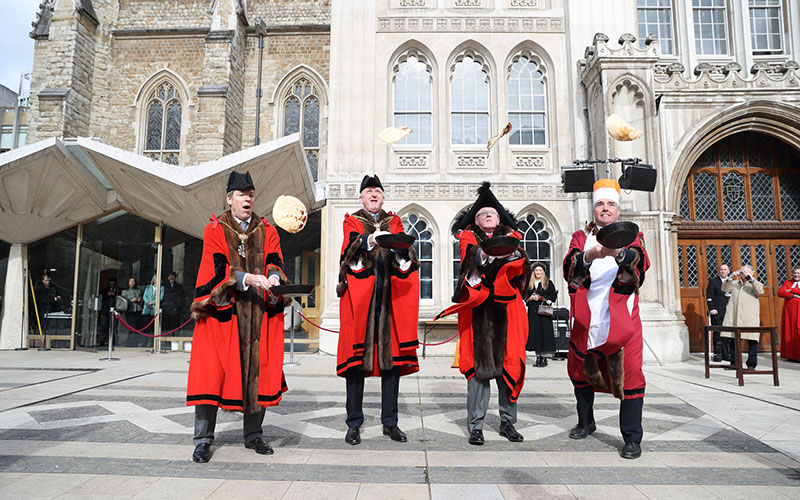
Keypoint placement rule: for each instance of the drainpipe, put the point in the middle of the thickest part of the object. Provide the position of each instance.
(261, 29)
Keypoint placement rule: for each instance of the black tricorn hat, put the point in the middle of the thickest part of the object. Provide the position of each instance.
(485, 199)
(240, 182)
(370, 181)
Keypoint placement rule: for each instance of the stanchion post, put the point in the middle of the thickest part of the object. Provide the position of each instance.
(112, 318)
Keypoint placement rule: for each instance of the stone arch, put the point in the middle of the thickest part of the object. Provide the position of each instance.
(556, 241)
(478, 52)
(770, 118)
(536, 53)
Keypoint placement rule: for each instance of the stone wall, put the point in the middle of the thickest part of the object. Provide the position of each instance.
(290, 12)
(159, 14)
(282, 53)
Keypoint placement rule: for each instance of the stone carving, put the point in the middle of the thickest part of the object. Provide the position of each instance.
(413, 3)
(524, 4)
(529, 161)
(460, 192)
(471, 24)
(713, 77)
(471, 161)
(468, 3)
(412, 161)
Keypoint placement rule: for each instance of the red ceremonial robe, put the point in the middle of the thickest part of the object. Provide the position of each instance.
(790, 322)
(237, 347)
(492, 319)
(625, 330)
(369, 340)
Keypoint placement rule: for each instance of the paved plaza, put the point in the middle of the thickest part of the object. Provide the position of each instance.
(74, 427)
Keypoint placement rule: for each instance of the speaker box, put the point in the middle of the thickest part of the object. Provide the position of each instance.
(638, 179)
(579, 180)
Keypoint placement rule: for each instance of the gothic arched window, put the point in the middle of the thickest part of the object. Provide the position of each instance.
(536, 240)
(163, 118)
(527, 103)
(413, 96)
(469, 102)
(423, 245)
(301, 113)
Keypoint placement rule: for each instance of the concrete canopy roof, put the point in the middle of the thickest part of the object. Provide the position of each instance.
(54, 184)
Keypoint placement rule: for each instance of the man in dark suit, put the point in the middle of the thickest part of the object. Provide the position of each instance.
(717, 302)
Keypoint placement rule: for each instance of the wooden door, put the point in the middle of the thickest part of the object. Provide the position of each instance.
(309, 274)
(699, 261)
(693, 282)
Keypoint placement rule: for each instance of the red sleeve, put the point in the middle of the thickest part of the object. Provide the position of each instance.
(396, 225)
(352, 229)
(784, 291)
(465, 240)
(214, 268)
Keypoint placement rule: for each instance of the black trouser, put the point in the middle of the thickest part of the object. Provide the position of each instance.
(390, 388)
(205, 420)
(752, 354)
(630, 414)
(723, 346)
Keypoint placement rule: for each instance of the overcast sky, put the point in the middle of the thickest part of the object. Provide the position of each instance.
(16, 47)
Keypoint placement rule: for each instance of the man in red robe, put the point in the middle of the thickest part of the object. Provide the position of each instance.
(237, 348)
(605, 351)
(790, 318)
(378, 311)
(492, 320)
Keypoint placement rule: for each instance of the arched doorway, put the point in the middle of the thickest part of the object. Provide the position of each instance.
(741, 205)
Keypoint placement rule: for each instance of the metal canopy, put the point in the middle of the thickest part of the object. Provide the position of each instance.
(54, 184)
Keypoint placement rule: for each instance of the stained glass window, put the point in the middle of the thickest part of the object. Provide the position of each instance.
(301, 113)
(423, 245)
(164, 116)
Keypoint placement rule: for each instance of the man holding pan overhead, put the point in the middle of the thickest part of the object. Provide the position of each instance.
(492, 319)
(378, 308)
(604, 267)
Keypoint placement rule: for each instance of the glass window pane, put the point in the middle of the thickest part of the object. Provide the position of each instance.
(172, 139)
(155, 115)
(311, 123)
(291, 116)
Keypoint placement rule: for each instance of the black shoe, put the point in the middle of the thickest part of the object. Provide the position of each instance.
(353, 436)
(631, 450)
(750, 368)
(476, 437)
(731, 366)
(202, 453)
(544, 362)
(717, 358)
(579, 432)
(261, 446)
(395, 434)
(509, 432)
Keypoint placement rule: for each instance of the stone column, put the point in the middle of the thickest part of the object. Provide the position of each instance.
(13, 325)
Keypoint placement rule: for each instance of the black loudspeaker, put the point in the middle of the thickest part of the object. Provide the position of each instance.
(579, 180)
(638, 178)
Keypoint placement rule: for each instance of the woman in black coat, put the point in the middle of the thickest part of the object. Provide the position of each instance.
(540, 328)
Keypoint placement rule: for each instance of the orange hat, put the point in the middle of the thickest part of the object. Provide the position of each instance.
(606, 189)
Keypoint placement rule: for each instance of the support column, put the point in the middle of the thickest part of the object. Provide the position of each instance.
(13, 328)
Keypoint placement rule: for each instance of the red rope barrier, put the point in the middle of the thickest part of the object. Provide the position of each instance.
(334, 331)
(129, 327)
(314, 324)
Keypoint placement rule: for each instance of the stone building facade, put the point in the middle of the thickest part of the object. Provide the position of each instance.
(713, 70)
(713, 85)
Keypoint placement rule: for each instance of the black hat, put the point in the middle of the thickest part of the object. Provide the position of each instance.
(485, 199)
(368, 181)
(240, 182)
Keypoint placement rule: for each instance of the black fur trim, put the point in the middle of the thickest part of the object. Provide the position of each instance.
(578, 352)
(221, 315)
(634, 392)
(220, 262)
(406, 345)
